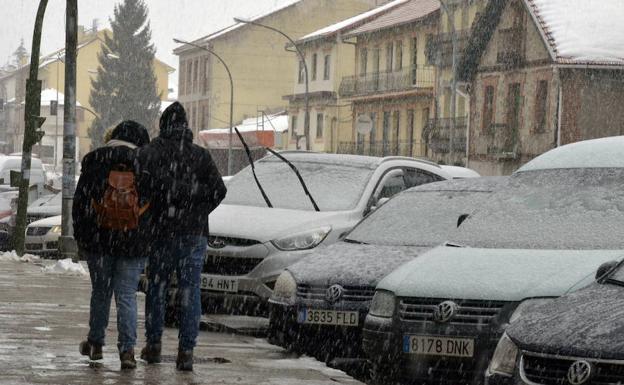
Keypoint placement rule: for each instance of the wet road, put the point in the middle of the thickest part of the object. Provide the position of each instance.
(43, 317)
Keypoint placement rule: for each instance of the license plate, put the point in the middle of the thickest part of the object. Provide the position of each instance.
(328, 317)
(219, 283)
(438, 346)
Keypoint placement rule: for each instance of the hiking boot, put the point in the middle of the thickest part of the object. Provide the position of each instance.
(151, 353)
(127, 359)
(184, 362)
(94, 351)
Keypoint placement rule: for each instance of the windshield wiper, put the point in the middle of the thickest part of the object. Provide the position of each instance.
(253, 168)
(292, 166)
(451, 244)
(354, 241)
(614, 282)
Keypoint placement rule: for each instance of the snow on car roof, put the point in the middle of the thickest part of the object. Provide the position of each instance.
(336, 159)
(596, 153)
(582, 31)
(489, 183)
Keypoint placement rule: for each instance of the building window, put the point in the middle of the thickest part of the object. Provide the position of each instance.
(206, 68)
(182, 80)
(363, 61)
(414, 63)
(293, 126)
(189, 76)
(430, 50)
(301, 75)
(396, 128)
(319, 126)
(385, 133)
(410, 132)
(195, 75)
(488, 107)
(514, 102)
(327, 67)
(389, 57)
(541, 101)
(398, 52)
(314, 66)
(373, 133)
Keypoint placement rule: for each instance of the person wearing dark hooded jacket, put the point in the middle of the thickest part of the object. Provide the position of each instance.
(115, 258)
(184, 186)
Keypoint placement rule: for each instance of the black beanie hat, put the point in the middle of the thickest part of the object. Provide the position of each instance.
(131, 131)
(174, 117)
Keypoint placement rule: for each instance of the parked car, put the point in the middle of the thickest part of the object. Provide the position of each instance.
(14, 163)
(251, 242)
(42, 237)
(575, 339)
(45, 207)
(439, 317)
(319, 304)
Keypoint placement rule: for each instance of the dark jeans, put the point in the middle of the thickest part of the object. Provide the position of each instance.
(185, 254)
(119, 275)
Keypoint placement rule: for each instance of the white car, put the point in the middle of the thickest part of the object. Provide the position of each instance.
(42, 236)
(251, 243)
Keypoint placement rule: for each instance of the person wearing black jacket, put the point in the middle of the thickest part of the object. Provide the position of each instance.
(183, 186)
(115, 258)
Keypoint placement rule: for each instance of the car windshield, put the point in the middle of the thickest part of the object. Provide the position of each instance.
(551, 209)
(416, 218)
(335, 187)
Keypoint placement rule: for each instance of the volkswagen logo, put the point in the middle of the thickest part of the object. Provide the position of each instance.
(444, 311)
(217, 243)
(334, 293)
(579, 373)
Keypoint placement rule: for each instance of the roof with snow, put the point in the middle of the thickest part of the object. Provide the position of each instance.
(231, 28)
(409, 12)
(581, 31)
(51, 94)
(351, 22)
(276, 123)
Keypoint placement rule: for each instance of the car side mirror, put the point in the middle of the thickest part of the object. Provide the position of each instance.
(461, 219)
(605, 269)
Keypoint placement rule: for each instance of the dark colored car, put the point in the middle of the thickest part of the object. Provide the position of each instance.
(319, 304)
(576, 339)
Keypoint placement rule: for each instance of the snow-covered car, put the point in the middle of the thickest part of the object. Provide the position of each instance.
(42, 236)
(255, 235)
(440, 316)
(326, 296)
(573, 339)
(44, 207)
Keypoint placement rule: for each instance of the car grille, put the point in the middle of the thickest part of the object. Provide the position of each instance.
(34, 246)
(219, 265)
(37, 231)
(554, 370)
(52, 245)
(471, 312)
(351, 293)
(230, 241)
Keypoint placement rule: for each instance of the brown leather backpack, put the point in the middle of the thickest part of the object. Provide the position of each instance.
(119, 209)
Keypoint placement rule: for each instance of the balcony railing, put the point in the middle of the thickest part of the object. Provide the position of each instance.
(439, 50)
(382, 82)
(437, 135)
(502, 141)
(380, 148)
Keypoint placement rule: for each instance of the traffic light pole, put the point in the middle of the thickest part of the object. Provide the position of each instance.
(67, 244)
(32, 122)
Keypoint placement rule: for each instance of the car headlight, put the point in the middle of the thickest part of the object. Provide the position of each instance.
(383, 304)
(527, 306)
(504, 360)
(302, 241)
(285, 290)
(56, 229)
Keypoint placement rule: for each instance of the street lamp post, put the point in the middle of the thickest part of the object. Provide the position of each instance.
(306, 122)
(227, 69)
(451, 18)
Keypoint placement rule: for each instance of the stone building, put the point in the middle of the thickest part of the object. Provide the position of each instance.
(542, 74)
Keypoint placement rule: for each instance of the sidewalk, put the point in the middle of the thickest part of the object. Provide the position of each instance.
(43, 317)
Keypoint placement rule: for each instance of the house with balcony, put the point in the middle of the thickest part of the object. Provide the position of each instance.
(540, 75)
(449, 122)
(328, 59)
(392, 83)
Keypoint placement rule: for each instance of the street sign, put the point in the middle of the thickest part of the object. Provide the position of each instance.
(363, 124)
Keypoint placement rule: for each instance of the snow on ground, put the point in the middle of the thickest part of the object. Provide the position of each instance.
(66, 267)
(13, 257)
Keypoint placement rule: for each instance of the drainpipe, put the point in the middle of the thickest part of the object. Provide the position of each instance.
(467, 96)
(557, 77)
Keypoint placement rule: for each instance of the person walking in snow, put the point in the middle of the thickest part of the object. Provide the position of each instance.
(184, 186)
(106, 214)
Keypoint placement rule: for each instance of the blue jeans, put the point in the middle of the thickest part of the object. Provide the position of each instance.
(118, 275)
(185, 255)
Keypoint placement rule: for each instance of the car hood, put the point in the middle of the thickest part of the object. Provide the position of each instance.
(265, 224)
(586, 323)
(352, 264)
(47, 222)
(45, 210)
(496, 274)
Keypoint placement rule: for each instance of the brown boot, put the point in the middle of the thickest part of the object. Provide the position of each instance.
(184, 362)
(127, 359)
(94, 351)
(151, 353)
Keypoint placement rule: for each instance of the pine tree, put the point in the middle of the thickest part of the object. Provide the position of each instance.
(20, 54)
(125, 87)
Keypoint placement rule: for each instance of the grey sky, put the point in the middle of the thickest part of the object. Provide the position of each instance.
(184, 19)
